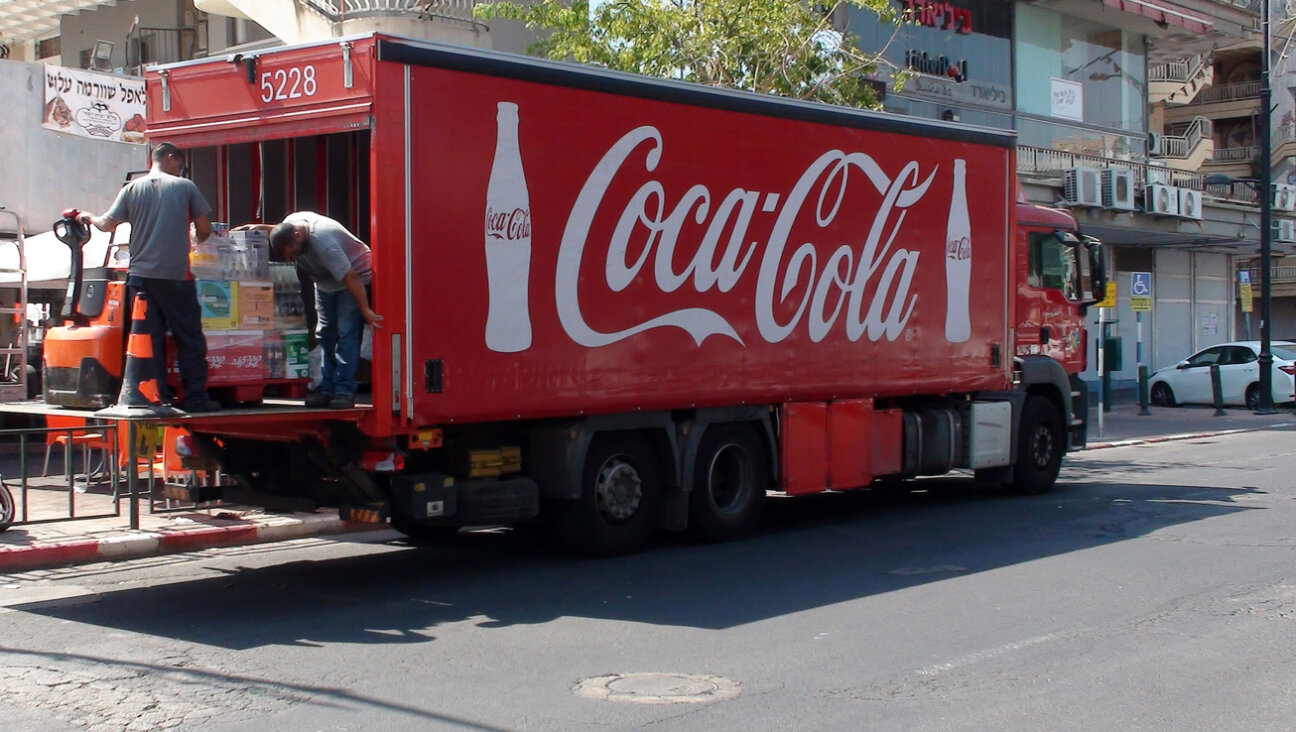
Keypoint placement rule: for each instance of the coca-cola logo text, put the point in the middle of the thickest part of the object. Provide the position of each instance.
(958, 249)
(511, 225)
(863, 285)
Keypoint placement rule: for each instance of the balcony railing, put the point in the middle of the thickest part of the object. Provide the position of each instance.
(1284, 274)
(340, 10)
(1242, 154)
(1176, 71)
(1047, 161)
(1241, 90)
(1181, 146)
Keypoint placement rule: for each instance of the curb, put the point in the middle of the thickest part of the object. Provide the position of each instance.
(1184, 436)
(136, 544)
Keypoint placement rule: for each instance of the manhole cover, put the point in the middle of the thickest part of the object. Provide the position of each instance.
(658, 688)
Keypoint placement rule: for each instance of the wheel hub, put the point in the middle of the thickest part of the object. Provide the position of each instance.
(618, 490)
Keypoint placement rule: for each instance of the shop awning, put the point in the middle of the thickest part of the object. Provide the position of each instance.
(1163, 14)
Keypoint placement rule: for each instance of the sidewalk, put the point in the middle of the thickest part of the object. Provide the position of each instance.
(108, 537)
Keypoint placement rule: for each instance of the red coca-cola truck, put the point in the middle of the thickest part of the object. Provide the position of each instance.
(631, 304)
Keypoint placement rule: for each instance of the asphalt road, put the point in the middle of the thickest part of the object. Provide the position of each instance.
(1155, 589)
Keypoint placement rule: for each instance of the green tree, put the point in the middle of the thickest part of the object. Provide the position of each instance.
(784, 47)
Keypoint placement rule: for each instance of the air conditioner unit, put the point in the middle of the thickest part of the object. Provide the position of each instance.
(1190, 203)
(1284, 230)
(1118, 188)
(1284, 197)
(1161, 199)
(1082, 187)
(1155, 146)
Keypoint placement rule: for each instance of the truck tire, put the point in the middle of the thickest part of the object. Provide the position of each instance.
(620, 498)
(728, 484)
(1041, 442)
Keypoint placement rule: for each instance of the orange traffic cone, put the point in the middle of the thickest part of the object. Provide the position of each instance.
(141, 392)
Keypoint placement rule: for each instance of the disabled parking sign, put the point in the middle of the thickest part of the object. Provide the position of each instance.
(1141, 292)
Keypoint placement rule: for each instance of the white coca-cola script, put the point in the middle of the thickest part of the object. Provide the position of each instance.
(865, 284)
(508, 225)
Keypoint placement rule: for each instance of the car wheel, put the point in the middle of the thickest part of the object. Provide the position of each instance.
(1253, 396)
(1162, 395)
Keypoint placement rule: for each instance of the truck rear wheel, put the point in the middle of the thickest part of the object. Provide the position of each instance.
(728, 484)
(619, 502)
(1041, 443)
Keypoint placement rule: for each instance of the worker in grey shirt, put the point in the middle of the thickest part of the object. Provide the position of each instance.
(159, 208)
(339, 263)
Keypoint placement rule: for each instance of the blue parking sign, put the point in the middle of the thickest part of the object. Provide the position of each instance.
(1140, 284)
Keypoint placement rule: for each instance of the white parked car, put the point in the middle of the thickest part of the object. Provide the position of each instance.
(1189, 381)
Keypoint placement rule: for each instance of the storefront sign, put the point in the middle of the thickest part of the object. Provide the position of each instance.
(938, 66)
(934, 14)
(98, 106)
(1067, 100)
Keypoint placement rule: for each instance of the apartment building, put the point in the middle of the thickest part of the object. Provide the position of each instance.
(1108, 101)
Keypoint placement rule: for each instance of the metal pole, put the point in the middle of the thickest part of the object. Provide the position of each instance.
(1266, 405)
(1102, 332)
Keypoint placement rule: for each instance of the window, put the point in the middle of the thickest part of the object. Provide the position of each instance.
(49, 47)
(1208, 357)
(1052, 265)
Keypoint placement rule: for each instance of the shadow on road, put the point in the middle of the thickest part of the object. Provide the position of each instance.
(811, 552)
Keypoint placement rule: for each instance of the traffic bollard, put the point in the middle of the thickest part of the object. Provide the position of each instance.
(1143, 391)
(1217, 391)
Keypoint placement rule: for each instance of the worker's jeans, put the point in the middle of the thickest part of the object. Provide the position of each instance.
(173, 305)
(339, 330)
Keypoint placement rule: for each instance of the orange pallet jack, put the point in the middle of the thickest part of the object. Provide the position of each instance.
(84, 356)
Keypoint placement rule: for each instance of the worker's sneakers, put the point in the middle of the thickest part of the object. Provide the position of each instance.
(206, 405)
(342, 401)
(318, 399)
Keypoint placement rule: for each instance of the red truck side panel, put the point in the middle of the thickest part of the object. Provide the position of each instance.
(681, 255)
(850, 425)
(803, 445)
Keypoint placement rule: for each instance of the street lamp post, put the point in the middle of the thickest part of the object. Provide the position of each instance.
(1266, 405)
(1264, 190)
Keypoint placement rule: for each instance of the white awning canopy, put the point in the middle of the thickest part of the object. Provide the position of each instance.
(24, 20)
(49, 261)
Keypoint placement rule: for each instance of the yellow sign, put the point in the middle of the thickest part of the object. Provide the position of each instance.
(1110, 300)
(1245, 295)
(1140, 304)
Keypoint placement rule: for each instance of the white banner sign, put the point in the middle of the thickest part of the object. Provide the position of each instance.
(1067, 99)
(98, 106)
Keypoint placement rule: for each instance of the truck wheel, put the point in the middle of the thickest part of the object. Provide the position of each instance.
(619, 501)
(1040, 446)
(728, 484)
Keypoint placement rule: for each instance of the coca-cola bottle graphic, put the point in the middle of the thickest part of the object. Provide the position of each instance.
(508, 241)
(958, 260)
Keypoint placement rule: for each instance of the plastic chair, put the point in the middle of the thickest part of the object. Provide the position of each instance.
(171, 466)
(76, 435)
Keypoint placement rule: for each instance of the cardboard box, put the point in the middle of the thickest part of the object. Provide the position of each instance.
(233, 357)
(218, 301)
(255, 306)
(296, 354)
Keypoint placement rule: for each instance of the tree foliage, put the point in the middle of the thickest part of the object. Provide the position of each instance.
(785, 47)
